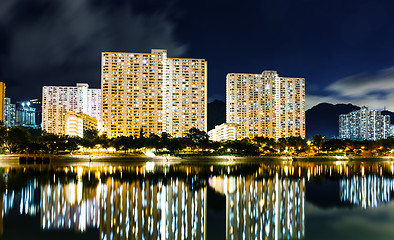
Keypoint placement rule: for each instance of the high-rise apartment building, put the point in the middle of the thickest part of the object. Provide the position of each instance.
(364, 124)
(9, 113)
(2, 99)
(59, 100)
(152, 93)
(266, 105)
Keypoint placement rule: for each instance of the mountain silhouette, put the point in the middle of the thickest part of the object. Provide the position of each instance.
(322, 119)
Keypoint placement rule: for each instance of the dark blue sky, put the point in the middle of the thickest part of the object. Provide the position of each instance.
(344, 49)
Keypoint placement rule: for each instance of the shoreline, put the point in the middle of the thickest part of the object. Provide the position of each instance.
(142, 158)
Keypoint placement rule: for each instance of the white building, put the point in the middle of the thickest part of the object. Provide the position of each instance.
(153, 93)
(266, 105)
(225, 131)
(364, 124)
(59, 100)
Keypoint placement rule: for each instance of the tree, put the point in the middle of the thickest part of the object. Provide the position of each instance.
(165, 140)
(19, 139)
(3, 134)
(197, 138)
(72, 143)
(104, 141)
(153, 141)
(90, 138)
(318, 141)
(334, 144)
(243, 147)
(176, 144)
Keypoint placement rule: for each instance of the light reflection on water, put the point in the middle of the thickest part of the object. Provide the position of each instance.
(270, 208)
(262, 201)
(368, 191)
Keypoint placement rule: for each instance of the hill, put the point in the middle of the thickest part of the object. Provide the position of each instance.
(323, 119)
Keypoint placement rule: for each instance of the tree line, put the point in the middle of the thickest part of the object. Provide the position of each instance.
(24, 140)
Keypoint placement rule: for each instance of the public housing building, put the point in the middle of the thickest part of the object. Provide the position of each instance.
(57, 101)
(265, 105)
(151, 93)
(364, 124)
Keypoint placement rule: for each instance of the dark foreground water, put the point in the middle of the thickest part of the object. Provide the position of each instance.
(330, 200)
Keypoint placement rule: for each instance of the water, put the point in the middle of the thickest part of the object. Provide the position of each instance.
(271, 200)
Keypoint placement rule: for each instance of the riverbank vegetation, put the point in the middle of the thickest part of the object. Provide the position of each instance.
(23, 140)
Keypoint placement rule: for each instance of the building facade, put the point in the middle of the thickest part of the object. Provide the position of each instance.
(266, 105)
(77, 123)
(225, 131)
(2, 99)
(151, 93)
(9, 113)
(59, 100)
(364, 124)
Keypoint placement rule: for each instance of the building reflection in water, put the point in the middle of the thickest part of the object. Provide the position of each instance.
(267, 208)
(366, 191)
(69, 206)
(170, 208)
(152, 209)
(263, 201)
(25, 202)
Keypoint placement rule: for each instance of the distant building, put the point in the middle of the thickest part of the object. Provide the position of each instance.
(9, 113)
(59, 100)
(25, 115)
(153, 93)
(392, 131)
(266, 105)
(2, 99)
(225, 131)
(77, 123)
(364, 124)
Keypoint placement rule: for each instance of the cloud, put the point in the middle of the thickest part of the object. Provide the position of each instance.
(375, 91)
(364, 84)
(56, 42)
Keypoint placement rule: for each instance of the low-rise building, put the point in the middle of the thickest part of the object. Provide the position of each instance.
(225, 131)
(77, 123)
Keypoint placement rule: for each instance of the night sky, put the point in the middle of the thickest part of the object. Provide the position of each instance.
(344, 49)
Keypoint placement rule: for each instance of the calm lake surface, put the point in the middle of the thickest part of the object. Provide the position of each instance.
(270, 200)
